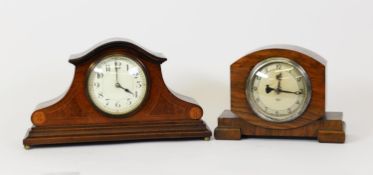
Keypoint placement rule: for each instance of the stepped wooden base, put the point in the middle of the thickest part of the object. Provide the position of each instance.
(119, 132)
(329, 129)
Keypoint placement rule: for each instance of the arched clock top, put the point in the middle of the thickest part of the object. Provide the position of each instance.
(296, 48)
(117, 43)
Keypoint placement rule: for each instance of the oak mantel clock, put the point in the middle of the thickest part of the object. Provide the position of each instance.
(279, 92)
(117, 94)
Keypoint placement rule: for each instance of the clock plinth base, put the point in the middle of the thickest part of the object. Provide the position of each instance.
(329, 129)
(38, 136)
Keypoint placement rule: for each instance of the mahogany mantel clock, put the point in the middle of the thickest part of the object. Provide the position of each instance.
(117, 94)
(280, 92)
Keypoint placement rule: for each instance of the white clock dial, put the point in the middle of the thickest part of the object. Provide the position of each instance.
(278, 90)
(117, 85)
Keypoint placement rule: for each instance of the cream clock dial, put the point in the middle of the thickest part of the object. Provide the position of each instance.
(278, 90)
(117, 85)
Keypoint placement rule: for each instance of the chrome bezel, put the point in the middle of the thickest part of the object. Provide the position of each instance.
(250, 97)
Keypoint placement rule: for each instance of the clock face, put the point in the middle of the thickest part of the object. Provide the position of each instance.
(117, 85)
(278, 90)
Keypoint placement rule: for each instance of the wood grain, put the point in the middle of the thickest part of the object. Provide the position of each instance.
(327, 129)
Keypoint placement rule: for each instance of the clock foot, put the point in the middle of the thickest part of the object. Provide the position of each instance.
(27, 147)
(226, 129)
(227, 133)
(333, 129)
(326, 136)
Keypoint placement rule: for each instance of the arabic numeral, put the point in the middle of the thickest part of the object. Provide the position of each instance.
(99, 75)
(96, 84)
(289, 111)
(117, 64)
(139, 85)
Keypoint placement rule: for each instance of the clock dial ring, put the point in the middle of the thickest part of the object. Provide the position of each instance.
(299, 99)
(119, 85)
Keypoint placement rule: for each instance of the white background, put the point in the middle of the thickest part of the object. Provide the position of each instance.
(200, 39)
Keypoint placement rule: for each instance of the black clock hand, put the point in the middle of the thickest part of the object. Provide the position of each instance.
(269, 89)
(290, 92)
(125, 89)
(116, 74)
(117, 84)
(278, 77)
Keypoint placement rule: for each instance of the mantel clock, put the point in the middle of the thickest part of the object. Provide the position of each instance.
(279, 92)
(117, 94)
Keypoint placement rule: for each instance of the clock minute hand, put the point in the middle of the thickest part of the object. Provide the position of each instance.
(290, 92)
(116, 74)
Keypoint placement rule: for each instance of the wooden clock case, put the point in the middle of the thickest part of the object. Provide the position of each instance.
(313, 123)
(72, 118)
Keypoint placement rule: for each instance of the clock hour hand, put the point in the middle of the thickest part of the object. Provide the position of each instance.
(269, 89)
(128, 91)
(121, 87)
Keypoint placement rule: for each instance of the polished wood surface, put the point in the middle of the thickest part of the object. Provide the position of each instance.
(328, 129)
(178, 129)
(75, 109)
(314, 122)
